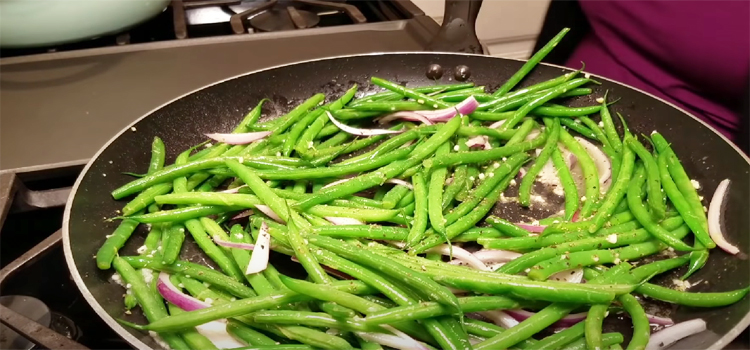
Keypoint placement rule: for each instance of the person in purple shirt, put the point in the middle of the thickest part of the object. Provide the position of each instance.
(694, 54)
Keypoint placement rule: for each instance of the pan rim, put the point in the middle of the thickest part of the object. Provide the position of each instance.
(130, 338)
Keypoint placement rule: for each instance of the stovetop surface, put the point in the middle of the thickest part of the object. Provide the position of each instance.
(64, 106)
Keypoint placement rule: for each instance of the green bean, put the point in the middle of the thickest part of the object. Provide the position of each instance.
(508, 103)
(655, 197)
(290, 138)
(295, 114)
(306, 318)
(424, 310)
(576, 126)
(172, 172)
(594, 257)
(247, 334)
(172, 243)
(609, 126)
(586, 244)
(448, 333)
(151, 304)
(644, 218)
(327, 130)
(460, 95)
(569, 186)
(114, 242)
(530, 64)
(418, 227)
(641, 327)
(367, 345)
(506, 227)
(240, 307)
(352, 114)
(711, 299)
(302, 252)
(394, 196)
(608, 340)
(426, 287)
(474, 233)
(698, 258)
(158, 152)
(391, 170)
(191, 336)
(390, 106)
(385, 95)
(524, 190)
(387, 146)
(259, 282)
(593, 326)
(130, 301)
(328, 293)
(697, 221)
(421, 98)
(485, 155)
(559, 339)
(179, 214)
(471, 131)
(388, 233)
(196, 271)
(598, 133)
(311, 337)
(199, 290)
(590, 173)
(541, 99)
(435, 192)
(566, 112)
(198, 232)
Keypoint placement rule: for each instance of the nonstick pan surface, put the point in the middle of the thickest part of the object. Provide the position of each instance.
(707, 156)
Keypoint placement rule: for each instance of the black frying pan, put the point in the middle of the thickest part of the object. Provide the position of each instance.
(707, 156)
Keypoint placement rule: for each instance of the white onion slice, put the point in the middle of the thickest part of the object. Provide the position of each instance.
(572, 275)
(661, 321)
(603, 166)
(495, 255)
(532, 135)
(239, 139)
(270, 213)
(392, 341)
(405, 115)
(714, 218)
(670, 335)
(175, 296)
(479, 141)
(497, 124)
(460, 254)
(259, 258)
(216, 332)
(243, 214)
(233, 190)
(336, 182)
(361, 132)
(343, 221)
(400, 182)
(238, 245)
(501, 318)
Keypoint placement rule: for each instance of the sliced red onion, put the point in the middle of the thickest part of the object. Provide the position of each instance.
(259, 258)
(670, 335)
(495, 255)
(467, 106)
(392, 341)
(239, 139)
(497, 124)
(223, 243)
(400, 182)
(233, 190)
(531, 228)
(661, 321)
(460, 254)
(572, 276)
(501, 318)
(567, 321)
(603, 165)
(361, 132)
(242, 214)
(479, 141)
(405, 337)
(173, 295)
(216, 332)
(270, 213)
(343, 221)
(576, 216)
(714, 218)
(405, 115)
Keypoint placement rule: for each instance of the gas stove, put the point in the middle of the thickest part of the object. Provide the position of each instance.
(61, 104)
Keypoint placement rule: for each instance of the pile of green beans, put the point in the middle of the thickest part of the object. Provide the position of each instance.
(381, 270)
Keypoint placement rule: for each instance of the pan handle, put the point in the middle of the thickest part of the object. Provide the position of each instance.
(458, 31)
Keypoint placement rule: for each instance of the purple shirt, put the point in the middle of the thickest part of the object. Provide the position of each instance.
(695, 54)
